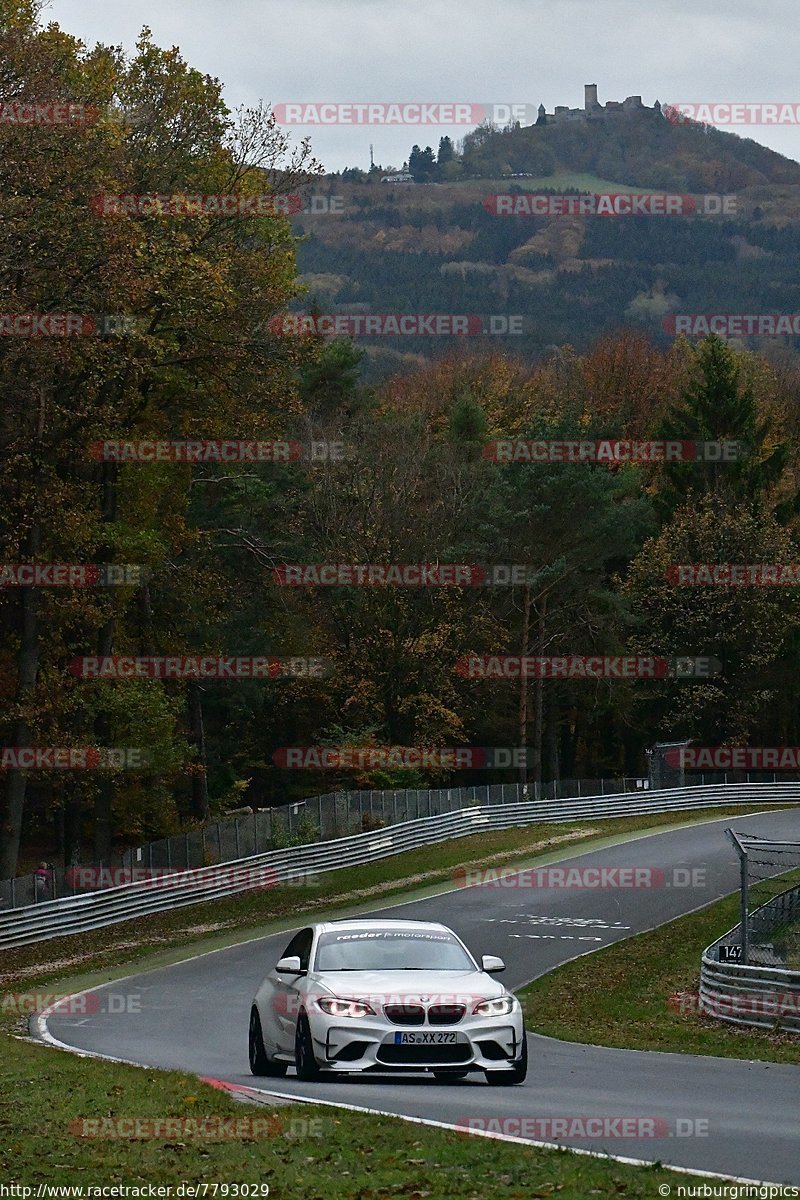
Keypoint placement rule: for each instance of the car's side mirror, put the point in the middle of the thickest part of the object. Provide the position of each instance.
(492, 964)
(289, 966)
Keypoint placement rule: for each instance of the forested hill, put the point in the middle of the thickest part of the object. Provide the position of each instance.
(438, 246)
(645, 149)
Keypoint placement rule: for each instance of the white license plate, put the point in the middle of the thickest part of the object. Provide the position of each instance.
(424, 1038)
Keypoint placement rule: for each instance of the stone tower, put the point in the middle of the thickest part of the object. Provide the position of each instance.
(590, 97)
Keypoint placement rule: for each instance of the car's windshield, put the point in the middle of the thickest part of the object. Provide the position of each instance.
(391, 950)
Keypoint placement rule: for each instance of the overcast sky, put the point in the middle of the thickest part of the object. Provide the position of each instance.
(506, 51)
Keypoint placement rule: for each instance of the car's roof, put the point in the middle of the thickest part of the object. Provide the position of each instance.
(390, 923)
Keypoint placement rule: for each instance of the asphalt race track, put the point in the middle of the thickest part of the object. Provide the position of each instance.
(745, 1115)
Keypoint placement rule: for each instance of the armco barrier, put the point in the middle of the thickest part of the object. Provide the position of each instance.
(752, 993)
(56, 918)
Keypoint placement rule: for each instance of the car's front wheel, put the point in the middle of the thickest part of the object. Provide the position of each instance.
(260, 1062)
(305, 1062)
(518, 1072)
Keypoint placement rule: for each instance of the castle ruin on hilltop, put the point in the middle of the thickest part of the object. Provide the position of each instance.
(594, 111)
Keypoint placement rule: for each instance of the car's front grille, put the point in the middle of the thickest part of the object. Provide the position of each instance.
(403, 1056)
(413, 1013)
(446, 1014)
(405, 1014)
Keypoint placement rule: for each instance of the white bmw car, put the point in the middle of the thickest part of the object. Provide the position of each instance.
(385, 996)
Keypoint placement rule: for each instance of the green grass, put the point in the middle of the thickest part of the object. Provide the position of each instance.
(206, 926)
(304, 1152)
(619, 996)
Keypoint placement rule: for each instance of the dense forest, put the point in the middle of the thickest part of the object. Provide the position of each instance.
(199, 358)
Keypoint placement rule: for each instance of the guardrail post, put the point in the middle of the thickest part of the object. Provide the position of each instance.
(255, 831)
(186, 862)
(236, 833)
(13, 895)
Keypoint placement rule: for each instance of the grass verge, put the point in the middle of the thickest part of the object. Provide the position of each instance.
(213, 924)
(303, 1152)
(619, 996)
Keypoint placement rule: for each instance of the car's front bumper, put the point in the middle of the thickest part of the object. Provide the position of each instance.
(364, 1044)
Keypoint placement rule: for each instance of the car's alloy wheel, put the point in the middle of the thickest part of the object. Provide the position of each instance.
(260, 1063)
(305, 1062)
(516, 1074)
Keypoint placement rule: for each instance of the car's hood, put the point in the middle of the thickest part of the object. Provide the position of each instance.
(440, 987)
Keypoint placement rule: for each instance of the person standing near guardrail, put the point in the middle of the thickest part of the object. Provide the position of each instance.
(43, 881)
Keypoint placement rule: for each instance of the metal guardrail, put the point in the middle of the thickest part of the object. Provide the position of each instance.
(752, 993)
(316, 818)
(71, 915)
(320, 818)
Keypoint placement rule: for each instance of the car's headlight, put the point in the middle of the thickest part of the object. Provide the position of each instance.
(500, 1007)
(335, 1007)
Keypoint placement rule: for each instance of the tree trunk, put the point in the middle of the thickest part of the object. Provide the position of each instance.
(523, 687)
(72, 823)
(104, 796)
(552, 734)
(200, 808)
(538, 698)
(28, 670)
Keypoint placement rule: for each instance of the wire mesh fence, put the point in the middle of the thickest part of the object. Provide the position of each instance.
(316, 819)
(768, 933)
